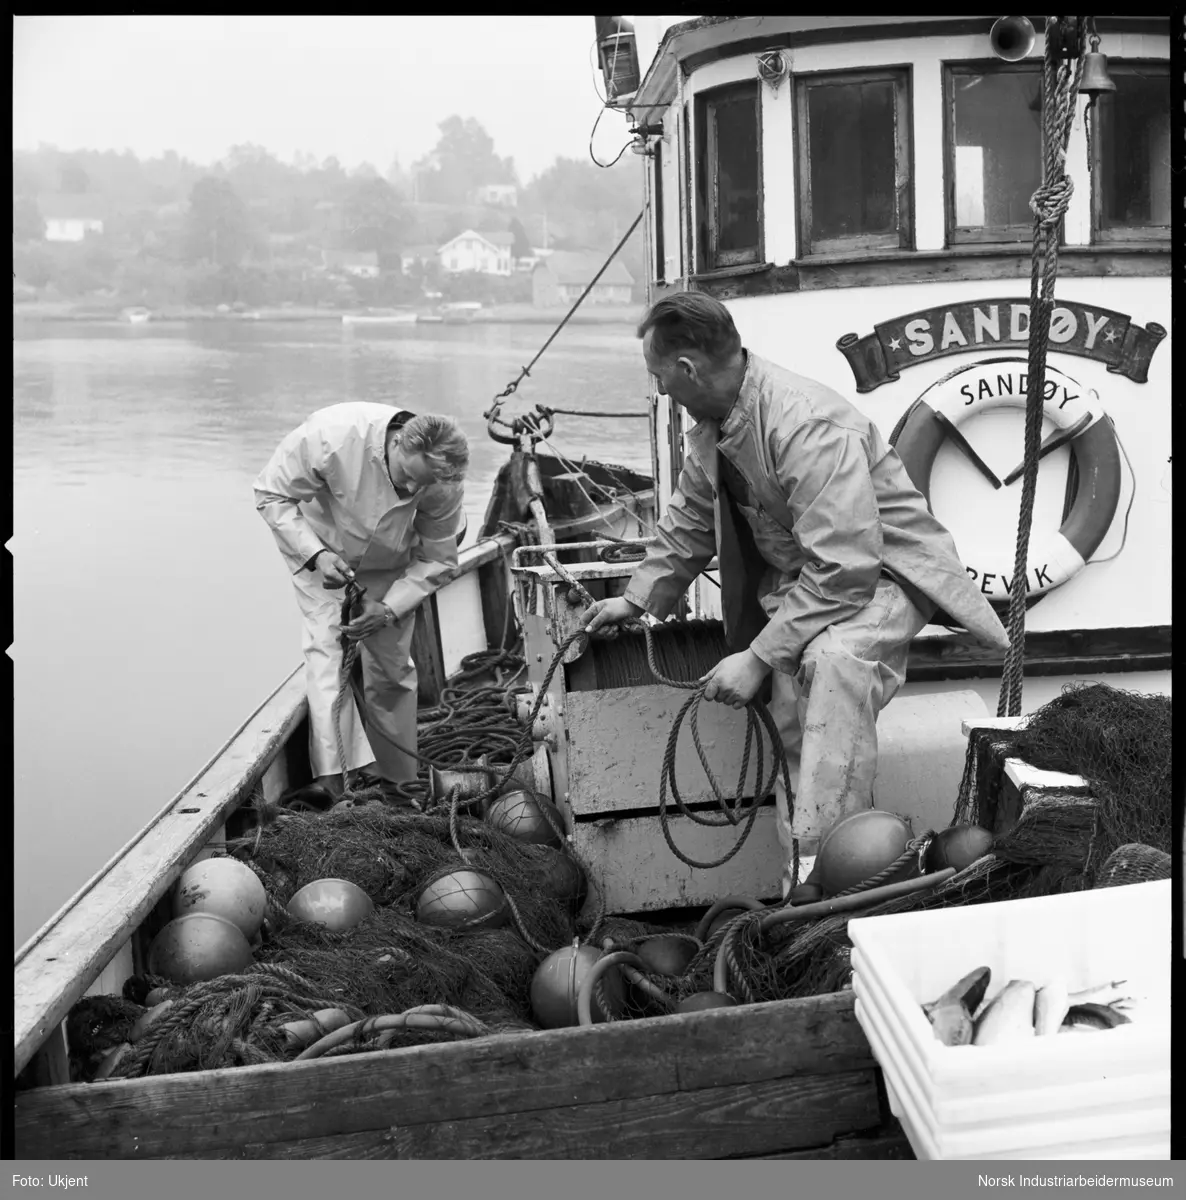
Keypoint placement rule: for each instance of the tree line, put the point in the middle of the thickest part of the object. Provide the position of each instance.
(255, 230)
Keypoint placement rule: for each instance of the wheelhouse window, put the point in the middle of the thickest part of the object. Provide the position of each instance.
(854, 161)
(728, 177)
(994, 150)
(1131, 147)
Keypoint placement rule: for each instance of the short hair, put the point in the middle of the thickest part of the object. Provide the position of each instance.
(691, 321)
(441, 442)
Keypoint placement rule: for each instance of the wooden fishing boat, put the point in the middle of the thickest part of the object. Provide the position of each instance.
(918, 267)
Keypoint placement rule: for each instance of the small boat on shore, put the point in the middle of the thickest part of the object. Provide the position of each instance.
(877, 278)
(374, 316)
(137, 315)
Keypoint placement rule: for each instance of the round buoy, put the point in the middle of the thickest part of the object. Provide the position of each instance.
(705, 1000)
(666, 954)
(563, 878)
(337, 904)
(197, 948)
(225, 887)
(557, 983)
(524, 817)
(958, 846)
(858, 847)
(463, 899)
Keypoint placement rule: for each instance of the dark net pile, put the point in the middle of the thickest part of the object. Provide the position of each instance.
(390, 963)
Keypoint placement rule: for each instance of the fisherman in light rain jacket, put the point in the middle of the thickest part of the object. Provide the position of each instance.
(816, 519)
(373, 494)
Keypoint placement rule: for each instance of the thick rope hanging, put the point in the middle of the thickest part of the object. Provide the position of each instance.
(1060, 87)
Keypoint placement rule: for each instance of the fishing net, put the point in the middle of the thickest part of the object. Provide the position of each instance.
(391, 965)
(1118, 741)
(1134, 864)
(394, 980)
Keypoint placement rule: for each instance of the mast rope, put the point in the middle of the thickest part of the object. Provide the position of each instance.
(1060, 87)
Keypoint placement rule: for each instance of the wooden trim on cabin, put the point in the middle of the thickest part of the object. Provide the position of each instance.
(1059, 652)
(982, 234)
(887, 268)
(901, 237)
(1112, 235)
(728, 1076)
(707, 198)
(940, 27)
(54, 969)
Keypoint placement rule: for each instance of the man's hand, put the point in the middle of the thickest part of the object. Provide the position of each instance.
(735, 680)
(335, 571)
(373, 617)
(609, 612)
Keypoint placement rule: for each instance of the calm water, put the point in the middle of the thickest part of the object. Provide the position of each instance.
(152, 612)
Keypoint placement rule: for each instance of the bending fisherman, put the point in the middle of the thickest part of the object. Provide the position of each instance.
(373, 494)
(830, 559)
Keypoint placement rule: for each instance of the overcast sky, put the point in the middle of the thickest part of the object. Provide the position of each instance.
(359, 88)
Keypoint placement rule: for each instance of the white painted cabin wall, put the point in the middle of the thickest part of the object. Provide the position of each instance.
(799, 331)
(1104, 593)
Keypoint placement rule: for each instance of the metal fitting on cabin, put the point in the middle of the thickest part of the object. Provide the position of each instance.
(547, 724)
(521, 701)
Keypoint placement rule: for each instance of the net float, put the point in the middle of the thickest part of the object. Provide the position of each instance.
(858, 847)
(667, 954)
(563, 878)
(198, 947)
(557, 982)
(337, 904)
(463, 899)
(959, 847)
(299, 1034)
(702, 1001)
(525, 817)
(225, 887)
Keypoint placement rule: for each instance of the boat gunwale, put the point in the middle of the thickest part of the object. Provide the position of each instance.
(88, 958)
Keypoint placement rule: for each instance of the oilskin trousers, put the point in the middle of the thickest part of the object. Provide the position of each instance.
(389, 683)
(827, 713)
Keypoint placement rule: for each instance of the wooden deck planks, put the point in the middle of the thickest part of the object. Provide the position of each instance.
(217, 1111)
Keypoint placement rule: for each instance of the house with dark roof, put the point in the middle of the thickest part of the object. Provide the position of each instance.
(561, 278)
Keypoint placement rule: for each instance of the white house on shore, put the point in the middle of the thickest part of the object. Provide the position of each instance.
(362, 264)
(486, 253)
(70, 218)
(564, 275)
(500, 195)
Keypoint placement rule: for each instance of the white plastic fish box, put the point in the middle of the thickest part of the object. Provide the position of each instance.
(1082, 939)
(1129, 1119)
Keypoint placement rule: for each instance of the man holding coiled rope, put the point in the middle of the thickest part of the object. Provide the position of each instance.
(831, 561)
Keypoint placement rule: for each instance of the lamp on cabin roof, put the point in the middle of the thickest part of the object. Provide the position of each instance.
(617, 53)
(772, 69)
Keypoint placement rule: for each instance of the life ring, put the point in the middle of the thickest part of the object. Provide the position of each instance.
(977, 388)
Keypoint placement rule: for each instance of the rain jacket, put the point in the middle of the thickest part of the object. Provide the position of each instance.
(327, 487)
(830, 507)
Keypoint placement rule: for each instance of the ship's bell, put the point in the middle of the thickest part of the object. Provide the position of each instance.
(1095, 78)
(1012, 38)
